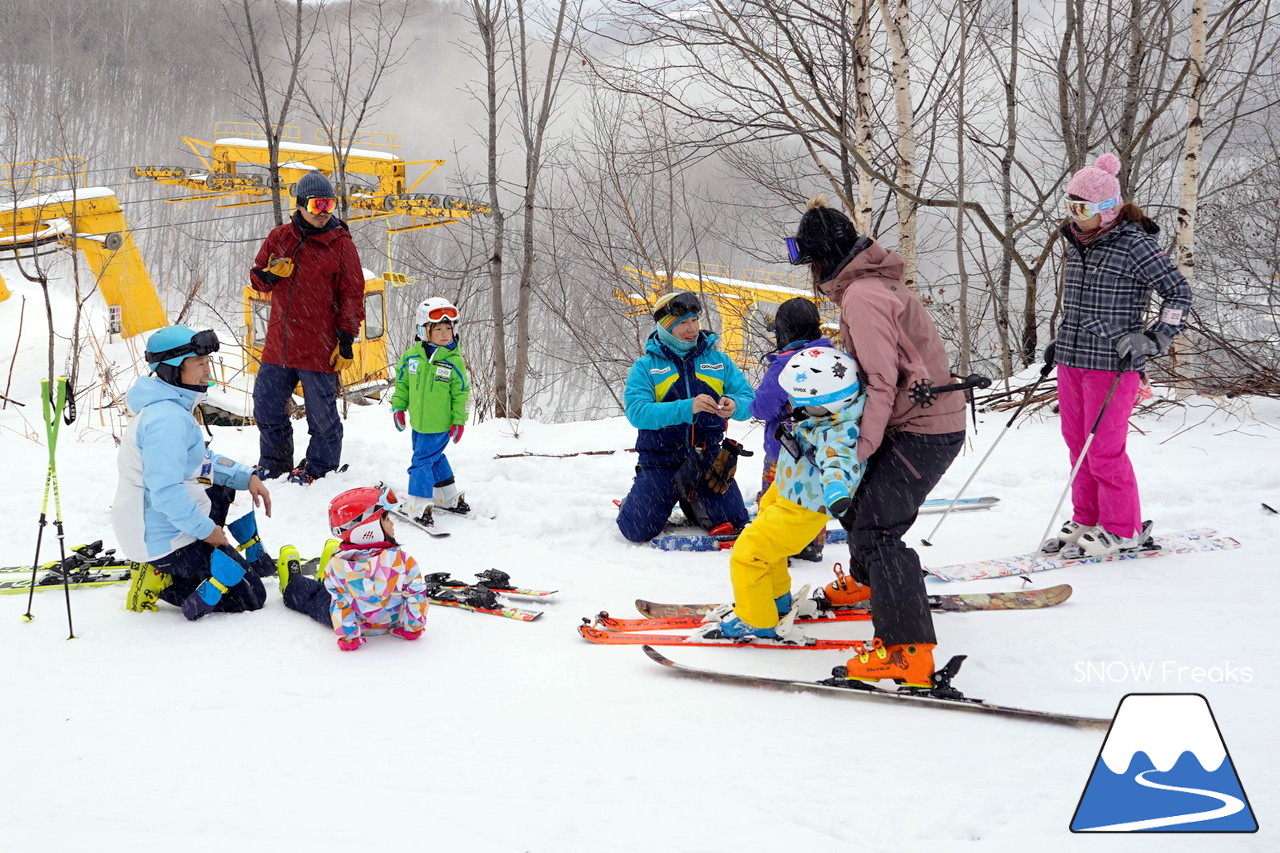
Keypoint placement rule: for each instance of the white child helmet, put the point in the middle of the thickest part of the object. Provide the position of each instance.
(821, 377)
(437, 309)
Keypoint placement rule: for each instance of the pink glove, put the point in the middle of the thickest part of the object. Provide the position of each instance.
(406, 635)
(350, 645)
(456, 432)
(398, 418)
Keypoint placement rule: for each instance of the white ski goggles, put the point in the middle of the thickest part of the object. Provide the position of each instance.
(1080, 210)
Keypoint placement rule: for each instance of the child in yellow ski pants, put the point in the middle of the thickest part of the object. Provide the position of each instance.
(758, 561)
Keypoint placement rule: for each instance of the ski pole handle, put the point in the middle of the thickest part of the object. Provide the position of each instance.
(923, 392)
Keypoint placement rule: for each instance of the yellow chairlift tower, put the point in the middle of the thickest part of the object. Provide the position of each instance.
(742, 304)
(48, 202)
(233, 171)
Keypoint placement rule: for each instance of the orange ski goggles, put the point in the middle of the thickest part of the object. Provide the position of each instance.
(317, 206)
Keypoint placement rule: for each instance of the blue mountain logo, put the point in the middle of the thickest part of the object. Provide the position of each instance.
(1164, 768)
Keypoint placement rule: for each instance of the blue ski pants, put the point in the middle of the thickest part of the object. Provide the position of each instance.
(429, 466)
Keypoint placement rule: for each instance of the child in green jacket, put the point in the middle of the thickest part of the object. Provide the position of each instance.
(432, 386)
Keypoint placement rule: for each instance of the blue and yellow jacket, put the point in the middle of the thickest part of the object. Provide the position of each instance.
(660, 391)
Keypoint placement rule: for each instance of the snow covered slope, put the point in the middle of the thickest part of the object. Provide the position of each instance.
(253, 730)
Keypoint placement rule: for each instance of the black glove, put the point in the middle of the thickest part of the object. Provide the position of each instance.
(266, 278)
(1050, 352)
(345, 341)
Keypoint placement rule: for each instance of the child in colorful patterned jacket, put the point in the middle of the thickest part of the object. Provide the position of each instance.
(818, 472)
(370, 586)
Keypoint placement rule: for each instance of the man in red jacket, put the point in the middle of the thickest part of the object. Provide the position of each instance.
(310, 267)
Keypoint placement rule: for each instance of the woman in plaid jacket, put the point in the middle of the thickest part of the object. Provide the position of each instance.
(1113, 264)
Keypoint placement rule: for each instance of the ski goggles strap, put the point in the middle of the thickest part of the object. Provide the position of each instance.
(320, 205)
(1080, 209)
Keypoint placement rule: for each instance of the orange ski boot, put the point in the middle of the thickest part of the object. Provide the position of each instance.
(844, 591)
(906, 663)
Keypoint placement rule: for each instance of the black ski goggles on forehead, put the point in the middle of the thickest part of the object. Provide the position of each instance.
(797, 252)
(681, 305)
(201, 343)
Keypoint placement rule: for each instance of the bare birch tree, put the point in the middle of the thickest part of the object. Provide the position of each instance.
(362, 45)
(273, 83)
(897, 23)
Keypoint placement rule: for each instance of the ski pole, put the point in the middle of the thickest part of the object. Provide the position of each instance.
(1124, 367)
(1044, 372)
(52, 405)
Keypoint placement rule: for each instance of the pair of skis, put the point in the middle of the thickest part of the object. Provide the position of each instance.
(86, 565)
(610, 630)
(940, 693)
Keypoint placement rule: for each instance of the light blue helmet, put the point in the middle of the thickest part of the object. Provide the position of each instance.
(172, 344)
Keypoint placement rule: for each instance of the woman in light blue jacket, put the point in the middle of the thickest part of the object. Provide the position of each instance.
(173, 493)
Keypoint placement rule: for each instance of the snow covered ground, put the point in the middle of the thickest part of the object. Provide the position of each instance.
(253, 730)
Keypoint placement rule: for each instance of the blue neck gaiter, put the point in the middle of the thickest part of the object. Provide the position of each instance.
(671, 342)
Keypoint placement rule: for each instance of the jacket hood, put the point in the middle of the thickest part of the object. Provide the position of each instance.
(654, 346)
(148, 390)
(874, 261)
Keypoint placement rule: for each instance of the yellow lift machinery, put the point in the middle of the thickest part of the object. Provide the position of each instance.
(741, 304)
(85, 218)
(233, 171)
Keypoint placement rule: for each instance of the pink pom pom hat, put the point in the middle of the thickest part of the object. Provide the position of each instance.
(1098, 183)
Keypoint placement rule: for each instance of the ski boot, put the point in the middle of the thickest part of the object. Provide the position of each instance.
(406, 634)
(906, 663)
(844, 591)
(1068, 534)
(331, 547)
(803, 606)
(729, 626)
(288, 566)
(460, 507)
(301, 476)
(145, 586)
(1098, 542)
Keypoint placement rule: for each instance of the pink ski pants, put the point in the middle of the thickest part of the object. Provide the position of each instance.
(1105, 491)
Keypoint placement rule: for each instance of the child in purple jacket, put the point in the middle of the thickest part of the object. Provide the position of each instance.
(796, 326)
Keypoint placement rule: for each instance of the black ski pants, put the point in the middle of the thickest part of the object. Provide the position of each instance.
(189, 565)
(309, 596)
(898, 479)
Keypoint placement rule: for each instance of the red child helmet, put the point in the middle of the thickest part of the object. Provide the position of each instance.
(356, 514)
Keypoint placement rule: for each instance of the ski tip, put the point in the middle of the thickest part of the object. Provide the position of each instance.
(1271, 509)
(657, 656)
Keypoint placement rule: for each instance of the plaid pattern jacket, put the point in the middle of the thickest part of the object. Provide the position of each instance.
(1108, 285)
